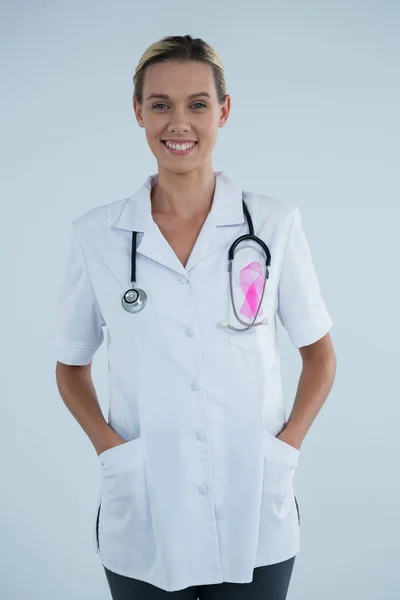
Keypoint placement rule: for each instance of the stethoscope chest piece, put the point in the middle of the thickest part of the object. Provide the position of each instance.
(134, 300)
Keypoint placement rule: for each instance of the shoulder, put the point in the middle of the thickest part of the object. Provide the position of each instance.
(96, 221)
(269, 212)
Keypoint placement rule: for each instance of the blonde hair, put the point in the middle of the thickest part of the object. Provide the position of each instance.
(180, 48)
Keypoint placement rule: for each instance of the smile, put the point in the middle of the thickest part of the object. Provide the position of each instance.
(179, 149)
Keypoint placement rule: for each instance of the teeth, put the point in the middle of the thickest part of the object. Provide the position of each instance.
(179, 146)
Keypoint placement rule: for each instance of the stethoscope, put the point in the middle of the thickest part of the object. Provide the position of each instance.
(135, 299)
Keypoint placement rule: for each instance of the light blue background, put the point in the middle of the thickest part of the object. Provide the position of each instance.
(315, 121)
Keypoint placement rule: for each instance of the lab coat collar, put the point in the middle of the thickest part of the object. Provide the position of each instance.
(226, 209)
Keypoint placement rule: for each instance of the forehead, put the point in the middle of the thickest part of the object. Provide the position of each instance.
(174, 77)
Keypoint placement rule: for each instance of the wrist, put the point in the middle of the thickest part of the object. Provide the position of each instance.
(106, 438)
(292, 436)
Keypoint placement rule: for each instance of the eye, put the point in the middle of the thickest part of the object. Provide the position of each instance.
(162, 104)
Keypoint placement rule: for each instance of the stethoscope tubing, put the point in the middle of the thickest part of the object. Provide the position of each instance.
(250, 236)
(134, 299)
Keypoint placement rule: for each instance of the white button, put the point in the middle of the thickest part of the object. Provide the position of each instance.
(183, 280)
(203, 489)
(196, 386)
(189, 332)
(200, 435)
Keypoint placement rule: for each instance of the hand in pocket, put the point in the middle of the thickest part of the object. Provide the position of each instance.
(112, 440)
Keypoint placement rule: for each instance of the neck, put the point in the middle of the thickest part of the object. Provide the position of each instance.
(184, 196)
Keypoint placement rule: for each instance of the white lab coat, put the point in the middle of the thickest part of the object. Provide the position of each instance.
(202, 491)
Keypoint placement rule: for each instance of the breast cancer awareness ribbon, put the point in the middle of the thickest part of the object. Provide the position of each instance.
(251, 283)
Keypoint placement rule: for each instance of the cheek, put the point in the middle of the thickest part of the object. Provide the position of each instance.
(153, 128)
(152, 131)
(208, 129)
(153, 140)
(210, 135)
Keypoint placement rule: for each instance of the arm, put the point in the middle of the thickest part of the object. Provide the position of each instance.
(315, 383)
(79, 395)
(77, 334)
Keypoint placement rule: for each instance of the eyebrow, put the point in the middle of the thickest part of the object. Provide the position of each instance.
(166, 97)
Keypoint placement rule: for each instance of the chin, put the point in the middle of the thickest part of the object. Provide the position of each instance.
(177, 169)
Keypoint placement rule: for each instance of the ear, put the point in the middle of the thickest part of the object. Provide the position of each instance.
(225, 110)
(138, 112)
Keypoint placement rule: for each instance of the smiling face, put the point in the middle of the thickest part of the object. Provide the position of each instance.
(176, 107)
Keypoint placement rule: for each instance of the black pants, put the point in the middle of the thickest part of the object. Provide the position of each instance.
(269, 583)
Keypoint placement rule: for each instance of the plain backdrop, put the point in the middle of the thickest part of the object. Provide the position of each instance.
(315, 92)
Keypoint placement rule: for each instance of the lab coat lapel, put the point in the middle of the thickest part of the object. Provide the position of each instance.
(210, 238)
(136, 216)
(223, 222)
(220, 226)
(155, 246)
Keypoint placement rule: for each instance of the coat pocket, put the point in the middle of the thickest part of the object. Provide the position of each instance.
(125, 531)
(121, 456)
(280, 463)
(279, 449)
(279, 524)
(257, 339)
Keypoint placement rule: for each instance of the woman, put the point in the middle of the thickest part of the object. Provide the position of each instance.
(197, 457)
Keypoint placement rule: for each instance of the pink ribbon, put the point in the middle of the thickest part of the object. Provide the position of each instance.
(251, 282)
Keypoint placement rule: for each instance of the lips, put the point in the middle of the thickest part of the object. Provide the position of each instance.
(179, 152)
(176, 143)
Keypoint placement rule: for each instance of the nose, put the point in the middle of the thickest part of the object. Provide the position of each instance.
(174, 128)
(178, 123)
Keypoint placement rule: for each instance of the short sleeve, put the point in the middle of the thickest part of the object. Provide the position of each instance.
(77, 331)
(301, 307)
